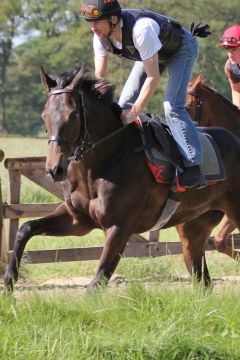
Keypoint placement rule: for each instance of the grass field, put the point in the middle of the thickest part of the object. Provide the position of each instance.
(153, 317)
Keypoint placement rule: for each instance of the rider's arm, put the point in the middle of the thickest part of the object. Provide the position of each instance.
(100, 58)
(100, 65)
(150, 85)
(234, 84)
(236, 94)
(146, 40)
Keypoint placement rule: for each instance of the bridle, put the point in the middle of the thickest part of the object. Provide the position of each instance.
(198, 106)
(84, 143)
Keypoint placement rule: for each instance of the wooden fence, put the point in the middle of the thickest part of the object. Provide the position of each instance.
(11, 211)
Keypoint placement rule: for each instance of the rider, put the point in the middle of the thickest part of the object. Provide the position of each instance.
(230, 40)
(154, 42)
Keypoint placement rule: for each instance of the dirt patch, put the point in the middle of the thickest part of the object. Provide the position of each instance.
(74, 283)
(80, 284)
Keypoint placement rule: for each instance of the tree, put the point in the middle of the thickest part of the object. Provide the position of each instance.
(56, 38)
(10, 17)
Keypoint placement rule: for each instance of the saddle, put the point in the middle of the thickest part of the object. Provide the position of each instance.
(164, 158)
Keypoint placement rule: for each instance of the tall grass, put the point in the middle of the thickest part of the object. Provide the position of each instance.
(169, 323)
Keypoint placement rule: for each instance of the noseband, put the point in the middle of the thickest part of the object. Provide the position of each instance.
(84, 140)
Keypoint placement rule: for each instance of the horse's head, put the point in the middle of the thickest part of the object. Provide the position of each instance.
(196, 103)
(61, 116)
(78, 112)
(208, 107)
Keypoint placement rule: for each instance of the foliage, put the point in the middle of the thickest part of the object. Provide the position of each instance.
(52, 35)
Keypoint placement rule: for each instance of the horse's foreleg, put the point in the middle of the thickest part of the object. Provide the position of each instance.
(59, 223)
(115, 244)
(219, 240)
(194, 235)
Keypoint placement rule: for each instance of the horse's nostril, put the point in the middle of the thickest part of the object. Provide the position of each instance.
(48, 170)
(57, 173)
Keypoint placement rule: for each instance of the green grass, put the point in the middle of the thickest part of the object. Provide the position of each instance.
(169, 323)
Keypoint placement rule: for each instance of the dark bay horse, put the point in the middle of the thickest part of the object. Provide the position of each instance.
(209, 108)
(107, 184)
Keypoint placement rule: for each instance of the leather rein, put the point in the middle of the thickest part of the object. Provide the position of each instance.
(84, 143)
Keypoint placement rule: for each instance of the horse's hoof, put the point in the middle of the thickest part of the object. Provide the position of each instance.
(92, 289)
(8, 295)
(9, 282)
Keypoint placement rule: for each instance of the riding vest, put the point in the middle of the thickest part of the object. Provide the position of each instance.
(170, 35)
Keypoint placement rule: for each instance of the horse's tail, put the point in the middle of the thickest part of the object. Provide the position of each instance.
(200, 30)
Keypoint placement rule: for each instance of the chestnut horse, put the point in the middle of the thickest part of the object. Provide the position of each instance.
(209, 108)
(107, 184)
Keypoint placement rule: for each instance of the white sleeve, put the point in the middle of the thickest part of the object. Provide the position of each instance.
(145, 37)
(98, 48)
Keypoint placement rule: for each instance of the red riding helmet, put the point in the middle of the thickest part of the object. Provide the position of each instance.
(100, 9)
(231, 37)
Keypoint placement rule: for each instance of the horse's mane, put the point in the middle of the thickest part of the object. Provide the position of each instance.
(100, 88)
(204, 83)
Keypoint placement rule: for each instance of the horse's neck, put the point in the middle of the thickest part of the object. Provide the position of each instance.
(101, 123)
(105, 135)
(222, 113)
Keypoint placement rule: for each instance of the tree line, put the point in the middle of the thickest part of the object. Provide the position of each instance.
(51, 34)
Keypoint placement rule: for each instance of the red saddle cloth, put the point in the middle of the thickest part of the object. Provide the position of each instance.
(164, 172)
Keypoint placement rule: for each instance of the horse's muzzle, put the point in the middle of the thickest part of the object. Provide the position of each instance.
(57, 172)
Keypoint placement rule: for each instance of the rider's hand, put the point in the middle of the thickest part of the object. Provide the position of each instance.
(128, 116)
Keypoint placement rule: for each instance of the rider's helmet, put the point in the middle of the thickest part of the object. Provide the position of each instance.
(93, 10)
(231, 37)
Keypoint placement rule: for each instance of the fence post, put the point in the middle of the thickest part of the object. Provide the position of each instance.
(153, 236)
(13, 198)
(3, 240)
(3, 243)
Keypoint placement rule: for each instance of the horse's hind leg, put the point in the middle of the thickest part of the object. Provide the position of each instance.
(59, 223)
(219, 240)
(194, 235)
(232, 212)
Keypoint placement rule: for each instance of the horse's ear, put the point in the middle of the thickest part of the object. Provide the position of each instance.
(198, 80)
(46, 80)
(78, 78)
(200, 75)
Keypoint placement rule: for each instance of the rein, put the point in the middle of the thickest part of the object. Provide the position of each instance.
(86, 143)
